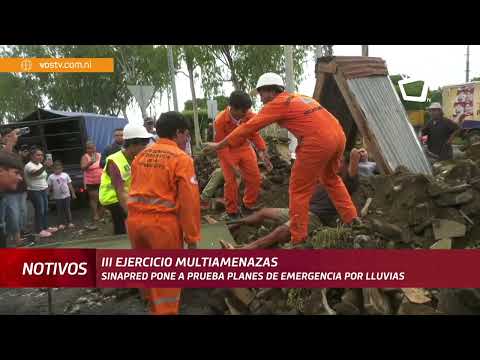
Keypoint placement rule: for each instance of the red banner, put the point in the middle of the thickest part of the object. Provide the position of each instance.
(239, 268)
(47, 268)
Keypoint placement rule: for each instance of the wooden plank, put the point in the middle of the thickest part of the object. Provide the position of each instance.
(330, 68)
(416, 296)
(245, 296)
(361, 121)
(317, 93)
(364, 73)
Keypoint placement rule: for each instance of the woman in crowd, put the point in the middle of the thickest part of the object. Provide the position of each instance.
(92, 173)
(37, 186)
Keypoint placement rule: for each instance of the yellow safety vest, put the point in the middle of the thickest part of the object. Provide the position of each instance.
(107, 193)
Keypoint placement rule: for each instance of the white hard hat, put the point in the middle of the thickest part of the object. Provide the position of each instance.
(270, 79)
(135, 131)
(435, 105)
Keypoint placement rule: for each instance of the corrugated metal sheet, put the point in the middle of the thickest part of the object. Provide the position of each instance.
(388, 121)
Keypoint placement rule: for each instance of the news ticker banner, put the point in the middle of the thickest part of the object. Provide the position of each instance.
(239, 268)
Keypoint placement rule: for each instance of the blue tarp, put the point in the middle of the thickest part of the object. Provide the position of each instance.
(99, 127)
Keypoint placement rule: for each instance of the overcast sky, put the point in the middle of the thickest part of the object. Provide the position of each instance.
(438, 65)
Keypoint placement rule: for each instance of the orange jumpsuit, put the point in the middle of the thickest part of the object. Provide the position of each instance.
(240, 155)
(163, 209)
(321, 143)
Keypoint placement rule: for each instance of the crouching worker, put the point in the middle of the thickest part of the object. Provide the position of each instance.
(164, 201)
(116, 176)
(322, 211)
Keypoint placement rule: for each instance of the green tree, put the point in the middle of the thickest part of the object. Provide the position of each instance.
(19, 96)
(194, 57)
(21, 93)
(242, 65)
(435, 96)
(104, 93)
(222, 103)
(144, 65)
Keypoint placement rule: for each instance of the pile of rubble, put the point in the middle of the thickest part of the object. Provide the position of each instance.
(204, 167)
(402, 210)
(415, 211)
(369, 301)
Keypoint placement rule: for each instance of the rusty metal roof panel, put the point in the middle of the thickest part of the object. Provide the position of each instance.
(352, 66)
(388, 121)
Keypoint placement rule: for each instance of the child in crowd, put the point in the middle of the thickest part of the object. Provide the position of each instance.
(60, 184)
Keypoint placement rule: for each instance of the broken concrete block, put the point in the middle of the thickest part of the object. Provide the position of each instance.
(255, 305)
(443, 228)
(408, 308)
(419, 214)
(444, 244)
(352, 301)
(264, 293)
(325, 303)
(386, 229)
(435, 189)
(451, 199)
(233, 310)
(421, 227)
(245, 296)
(416, 295)
(216, 300)
(469, 220)
(376, 302)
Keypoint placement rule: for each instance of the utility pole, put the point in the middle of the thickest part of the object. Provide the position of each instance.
(292, 145)
(364, 50)
(172, 76)
(289, 68)
(467, 71)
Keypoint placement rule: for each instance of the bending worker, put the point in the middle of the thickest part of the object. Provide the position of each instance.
(321, 143)
(239, 157)
(164, 203)
(116, 176)
(321, 211)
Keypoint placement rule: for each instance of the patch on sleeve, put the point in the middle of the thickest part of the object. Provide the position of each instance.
(193, 180)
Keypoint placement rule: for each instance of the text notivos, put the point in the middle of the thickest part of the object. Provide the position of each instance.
(54, 268)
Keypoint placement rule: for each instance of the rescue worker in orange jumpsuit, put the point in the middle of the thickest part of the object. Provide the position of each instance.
(321, 143)
(239, 158)
(164, 201)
